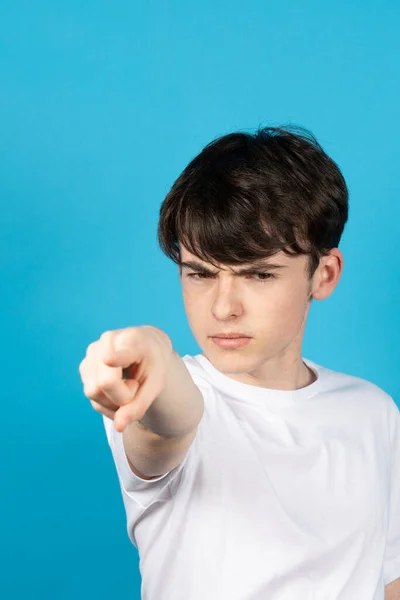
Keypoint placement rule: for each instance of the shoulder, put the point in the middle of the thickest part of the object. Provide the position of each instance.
(366, 392)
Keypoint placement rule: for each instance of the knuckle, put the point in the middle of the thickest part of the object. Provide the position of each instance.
(91, 391)
(107, 384)
(106, 334)
(129, 334)
(107, 342)
(96, 406)
(126, 339)
(91, 348)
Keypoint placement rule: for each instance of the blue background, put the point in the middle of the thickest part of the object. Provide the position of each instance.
(102, 104)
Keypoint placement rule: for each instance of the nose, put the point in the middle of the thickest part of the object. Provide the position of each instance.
(227, 302)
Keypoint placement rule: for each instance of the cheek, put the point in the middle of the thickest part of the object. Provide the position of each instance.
(194, 308)
(290, 303)
(193, 296)
(286, 309)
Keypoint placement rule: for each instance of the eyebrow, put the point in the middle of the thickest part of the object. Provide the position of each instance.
(196, 266)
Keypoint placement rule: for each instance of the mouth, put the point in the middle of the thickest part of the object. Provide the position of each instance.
(230, 342)
(230, 336)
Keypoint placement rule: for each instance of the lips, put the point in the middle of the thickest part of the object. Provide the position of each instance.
(230, 336)
(231, 342)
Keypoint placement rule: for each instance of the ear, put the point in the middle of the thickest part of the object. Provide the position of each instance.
(327, 275)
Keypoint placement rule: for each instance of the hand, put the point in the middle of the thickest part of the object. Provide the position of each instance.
(124, 371)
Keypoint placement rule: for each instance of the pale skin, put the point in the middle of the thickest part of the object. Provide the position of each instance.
(392, 590)
(272, 310)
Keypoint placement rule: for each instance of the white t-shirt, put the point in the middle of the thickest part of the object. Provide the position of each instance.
(283, 495)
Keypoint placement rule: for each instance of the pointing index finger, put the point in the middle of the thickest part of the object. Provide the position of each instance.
(123, 349)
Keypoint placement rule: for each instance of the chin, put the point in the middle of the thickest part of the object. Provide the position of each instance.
(232, 359)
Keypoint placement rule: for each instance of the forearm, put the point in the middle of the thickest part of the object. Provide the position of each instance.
(392, 590)
(179, 407)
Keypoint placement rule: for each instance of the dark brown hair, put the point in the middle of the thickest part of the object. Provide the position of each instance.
(248, 196)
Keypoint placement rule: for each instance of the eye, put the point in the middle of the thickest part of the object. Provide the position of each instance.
(263, 276)
(199, 275)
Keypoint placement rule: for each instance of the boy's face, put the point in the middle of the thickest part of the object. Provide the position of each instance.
(271, 309)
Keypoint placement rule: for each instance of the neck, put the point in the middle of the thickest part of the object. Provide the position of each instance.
(274, 376)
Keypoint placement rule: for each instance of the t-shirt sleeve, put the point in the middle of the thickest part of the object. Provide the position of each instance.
(137, 493)
(391, 566)
(142, 491)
